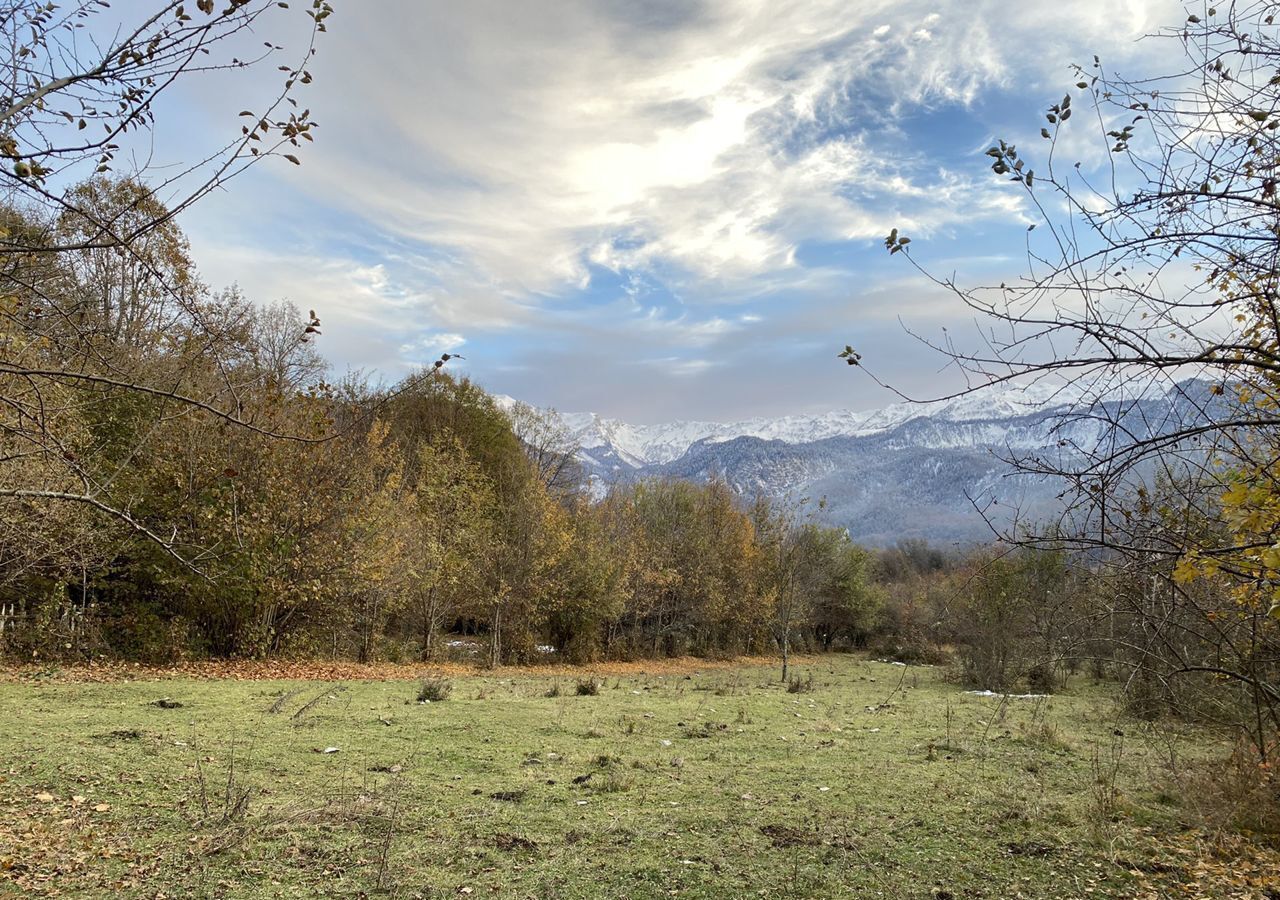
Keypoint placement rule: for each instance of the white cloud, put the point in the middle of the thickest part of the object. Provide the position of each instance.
(492, 158)
(429, 346)
(529, 140)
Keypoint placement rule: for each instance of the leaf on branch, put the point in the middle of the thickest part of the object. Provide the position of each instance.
(893, 243)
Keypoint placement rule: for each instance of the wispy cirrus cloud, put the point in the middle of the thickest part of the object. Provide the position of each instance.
(650, 174)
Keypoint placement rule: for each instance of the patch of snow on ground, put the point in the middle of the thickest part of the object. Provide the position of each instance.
(1010, 696)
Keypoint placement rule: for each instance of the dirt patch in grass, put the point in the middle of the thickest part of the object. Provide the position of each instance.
(790, 836)
(120, 734)
(513, 842)
(1030, 848)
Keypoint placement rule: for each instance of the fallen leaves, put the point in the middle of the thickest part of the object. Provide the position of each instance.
(108, 671)
(76, 800)
(1197, 864)
(52, 846)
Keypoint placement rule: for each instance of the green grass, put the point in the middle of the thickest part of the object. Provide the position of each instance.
(712, 784)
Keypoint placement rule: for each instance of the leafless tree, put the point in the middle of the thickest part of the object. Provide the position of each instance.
(549, 446)
(1156, 276)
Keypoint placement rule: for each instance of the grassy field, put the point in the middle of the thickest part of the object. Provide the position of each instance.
(703, 781)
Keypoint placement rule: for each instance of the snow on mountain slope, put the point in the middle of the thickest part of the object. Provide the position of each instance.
(648, 445)
(905, 470)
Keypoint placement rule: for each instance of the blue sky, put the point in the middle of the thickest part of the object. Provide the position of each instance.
(653, 210)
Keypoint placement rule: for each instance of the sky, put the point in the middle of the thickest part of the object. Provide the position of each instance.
(653, 210)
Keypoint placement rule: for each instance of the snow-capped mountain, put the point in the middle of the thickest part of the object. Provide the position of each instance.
(907, 470)
(640, 446)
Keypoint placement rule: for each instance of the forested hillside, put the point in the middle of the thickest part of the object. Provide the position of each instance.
(282, 513)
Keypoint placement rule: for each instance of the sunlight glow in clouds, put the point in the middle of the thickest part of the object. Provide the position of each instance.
(711, 175)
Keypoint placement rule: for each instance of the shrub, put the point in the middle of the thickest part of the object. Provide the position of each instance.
(798, 686)
(613, 781)
(1041, 678)
(1232, 793)
(914, 649)
(434, 690)
(1145, 697)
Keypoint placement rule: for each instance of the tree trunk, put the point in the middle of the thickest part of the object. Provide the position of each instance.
(495, 637)
(429, 627)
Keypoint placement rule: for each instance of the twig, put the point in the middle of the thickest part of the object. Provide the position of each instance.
(306, 707)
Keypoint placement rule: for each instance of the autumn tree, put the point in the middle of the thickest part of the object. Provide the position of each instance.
(90, 259)
(451, 530)
(781, 565)
(837, 577)
(588, 593)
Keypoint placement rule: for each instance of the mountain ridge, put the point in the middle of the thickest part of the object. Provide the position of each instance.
(906, 470)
